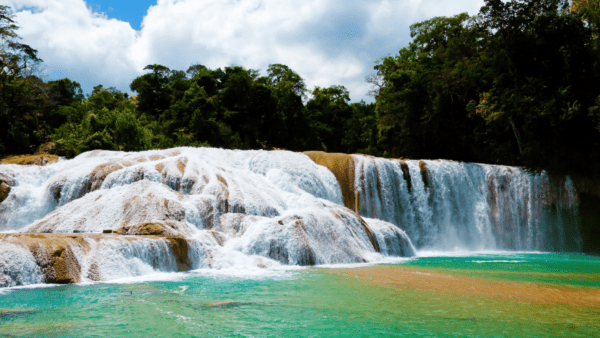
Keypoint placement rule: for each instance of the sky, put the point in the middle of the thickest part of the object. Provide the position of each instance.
(327, 42)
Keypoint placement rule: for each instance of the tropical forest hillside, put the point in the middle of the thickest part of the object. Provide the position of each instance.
(518, 84)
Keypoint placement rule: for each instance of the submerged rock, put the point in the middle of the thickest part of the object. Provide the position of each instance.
(13, 313)
(226, 304)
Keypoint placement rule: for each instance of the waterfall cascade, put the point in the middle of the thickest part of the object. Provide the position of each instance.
(447, 205)
(106, 215)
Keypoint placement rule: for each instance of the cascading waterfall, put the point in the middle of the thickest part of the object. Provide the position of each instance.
(107, 215)
(446, 205)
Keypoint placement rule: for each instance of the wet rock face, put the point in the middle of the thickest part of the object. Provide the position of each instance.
(55, 257)
(342, 166)
(425, 174)
(5, 186)
(181, 251)
(4, 191)
(68, 258)
(153, 229)
(7, 179)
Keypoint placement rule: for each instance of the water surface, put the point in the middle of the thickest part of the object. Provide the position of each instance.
(312, 302)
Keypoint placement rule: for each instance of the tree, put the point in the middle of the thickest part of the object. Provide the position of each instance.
(421, 109)
(289, 90)
(518, 84)
(106, 120)
(16, 59)
(24, 98)
(153, 95)
(329, 110)
(541, 97)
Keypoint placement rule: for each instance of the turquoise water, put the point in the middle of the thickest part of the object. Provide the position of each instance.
(308, 303)
(568, 269)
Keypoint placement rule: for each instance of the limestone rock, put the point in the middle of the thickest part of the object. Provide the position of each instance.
(154, 229)
(40, 160)
(4, 191)
(342, 167)
(61, 258)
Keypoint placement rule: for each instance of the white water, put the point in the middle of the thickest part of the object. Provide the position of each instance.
(469, 206)
(247, 212)
(239, 211)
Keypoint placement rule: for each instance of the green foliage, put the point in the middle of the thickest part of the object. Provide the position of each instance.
(106, 120)
(329, 109)
(16, 59)
(421, 109)
(515, 85)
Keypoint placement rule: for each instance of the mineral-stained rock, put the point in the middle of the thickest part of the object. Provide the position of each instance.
(424, 173)
(342, 167)
(5, 185)
(4, 191)
(99, 174)
(6, 178)
(154, 229)
(60, 257)
(406, 174)
(180, 248)
(54, 255)
(30, 159)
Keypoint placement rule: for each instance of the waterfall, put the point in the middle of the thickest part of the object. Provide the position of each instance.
(108, 215)
(446, 205)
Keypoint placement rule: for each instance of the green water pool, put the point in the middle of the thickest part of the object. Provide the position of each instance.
(310, 303)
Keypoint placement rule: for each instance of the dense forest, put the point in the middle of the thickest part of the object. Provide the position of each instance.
(517, 84)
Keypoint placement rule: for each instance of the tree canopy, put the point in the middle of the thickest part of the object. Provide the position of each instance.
(516, 84)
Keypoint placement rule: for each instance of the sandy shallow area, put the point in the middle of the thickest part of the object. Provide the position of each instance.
(421, 279)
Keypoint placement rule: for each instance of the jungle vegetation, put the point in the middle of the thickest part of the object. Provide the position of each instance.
(516, 84)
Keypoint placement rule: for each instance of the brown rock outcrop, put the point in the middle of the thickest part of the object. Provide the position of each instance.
(339, 214)
(180, 248)
(153, 229)
(4, 191)
(406, 174)
(55, 253)
(99, 174)
(30, 159)
(342, 167)
(424, 174)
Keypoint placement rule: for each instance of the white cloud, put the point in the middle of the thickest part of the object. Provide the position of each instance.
(327, 42)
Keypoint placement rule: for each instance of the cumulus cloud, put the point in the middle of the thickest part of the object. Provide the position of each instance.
(328, 42)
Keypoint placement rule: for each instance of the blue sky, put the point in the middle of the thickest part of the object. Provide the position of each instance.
(327, 42)
(131, 11)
